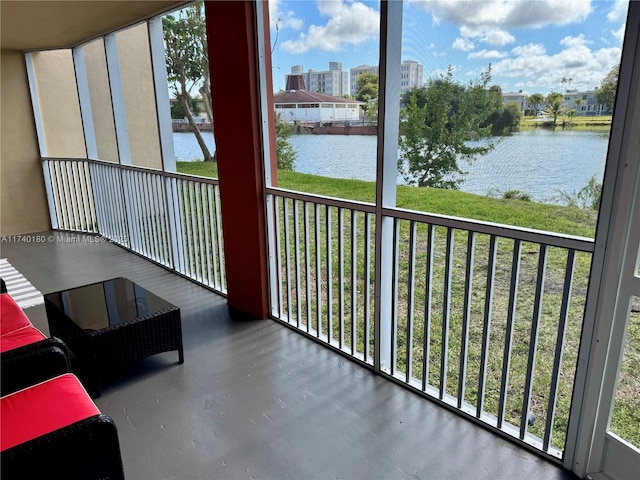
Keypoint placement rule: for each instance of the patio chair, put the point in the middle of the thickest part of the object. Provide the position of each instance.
(26, 355)
(54, 430)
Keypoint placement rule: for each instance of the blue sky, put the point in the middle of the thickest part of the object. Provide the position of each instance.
(531, 44)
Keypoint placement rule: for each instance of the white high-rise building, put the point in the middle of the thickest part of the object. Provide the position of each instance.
(412, 75)
(332, 82)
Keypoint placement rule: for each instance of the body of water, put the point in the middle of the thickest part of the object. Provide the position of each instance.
(540, 162)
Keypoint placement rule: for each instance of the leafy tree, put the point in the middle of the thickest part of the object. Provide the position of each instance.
(509, 118)
(606, 94)
(178, 113)
(286, 155)
(187, 63)
(442, 123)
(534, 101)
(555, 106)
(367, 91)
(571, 112)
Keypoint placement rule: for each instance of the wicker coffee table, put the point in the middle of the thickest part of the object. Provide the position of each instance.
(110, 324)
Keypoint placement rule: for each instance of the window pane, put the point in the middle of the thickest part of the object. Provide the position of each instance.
(516, 109)
(319, 52)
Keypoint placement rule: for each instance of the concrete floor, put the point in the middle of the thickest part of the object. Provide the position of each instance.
(255, 399)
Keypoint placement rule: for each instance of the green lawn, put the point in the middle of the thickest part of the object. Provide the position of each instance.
(553, 218)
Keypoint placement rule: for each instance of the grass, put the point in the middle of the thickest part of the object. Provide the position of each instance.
(553, 218)
(600, 123)
(414, 329)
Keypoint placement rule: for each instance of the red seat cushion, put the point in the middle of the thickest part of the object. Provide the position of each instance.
(19, 338)
(11, 315)
(43, 408)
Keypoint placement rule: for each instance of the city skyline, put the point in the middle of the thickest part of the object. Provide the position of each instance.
(532, 45)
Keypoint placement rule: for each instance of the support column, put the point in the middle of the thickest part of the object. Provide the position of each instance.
(235, 88)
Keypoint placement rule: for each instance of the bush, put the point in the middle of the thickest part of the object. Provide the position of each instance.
(516, 195)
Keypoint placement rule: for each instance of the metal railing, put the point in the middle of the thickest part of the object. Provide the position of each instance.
(485, 318)
(169, 218)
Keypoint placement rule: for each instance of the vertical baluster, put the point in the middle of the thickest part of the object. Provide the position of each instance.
(296, 252)
(394, 301)
(428, 291)
(329, 275)
(367, 284)
(184, 186)
(208, 217)
(68, 193)
(157, 218)
(97, 202)
(201, 249)
(307, 264)
(557, 359)
(341, 277)
(277, 201)
(193, 213)
(219, 236)
(354, 280)
(143, 208)
(486, 328)
(287, 253)
(75, 190)
(466, 317)
(151, 218)
(411, 284)
(164, 225)
(104, 219)
(446, 314)
(508, 334)
(533, 340)
(88, 199)
(318, 271)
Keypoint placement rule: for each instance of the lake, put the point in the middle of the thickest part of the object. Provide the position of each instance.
(540, 162)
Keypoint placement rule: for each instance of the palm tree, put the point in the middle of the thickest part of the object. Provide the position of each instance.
(578, 102)
(555, 106)
(535, 100)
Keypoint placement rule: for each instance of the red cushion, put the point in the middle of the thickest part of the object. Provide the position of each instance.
(18, 338)
(11, 315)
(43, 408)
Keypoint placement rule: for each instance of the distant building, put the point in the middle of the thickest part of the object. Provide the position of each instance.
(354, 73)
(411, 75)
(304, 106)
(585, 103)
(332, 82)
(518, 98)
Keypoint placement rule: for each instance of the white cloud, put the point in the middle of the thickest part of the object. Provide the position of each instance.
(489, 20)
(507, 13)
(497, 37)
(534, 67)
(492, 36)
(463, 44)
(575, 42)
(349, 24)
(283, 19)
(618, 11)
(529, 50)
(487, 54)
